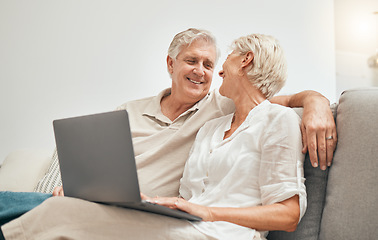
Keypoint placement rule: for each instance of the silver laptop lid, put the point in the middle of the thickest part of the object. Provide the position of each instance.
(96, 157)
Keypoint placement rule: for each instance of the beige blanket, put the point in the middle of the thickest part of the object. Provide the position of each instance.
(69, 218)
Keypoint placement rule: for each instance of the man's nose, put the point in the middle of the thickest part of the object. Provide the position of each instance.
(221, 72)
(199, 70)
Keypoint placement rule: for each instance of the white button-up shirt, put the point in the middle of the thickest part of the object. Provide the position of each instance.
(261, 163)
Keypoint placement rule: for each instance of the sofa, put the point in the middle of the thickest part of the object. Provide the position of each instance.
(342, 201)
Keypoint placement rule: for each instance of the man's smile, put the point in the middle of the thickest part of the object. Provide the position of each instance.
(195, 82)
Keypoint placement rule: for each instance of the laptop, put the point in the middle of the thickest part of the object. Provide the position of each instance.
(97, 162)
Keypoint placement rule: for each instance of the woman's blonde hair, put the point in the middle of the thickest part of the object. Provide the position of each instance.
(268, 71)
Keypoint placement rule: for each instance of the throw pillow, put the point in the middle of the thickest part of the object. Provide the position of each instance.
(52, 177)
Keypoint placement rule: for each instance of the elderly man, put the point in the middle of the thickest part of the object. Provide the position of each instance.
(164, 127)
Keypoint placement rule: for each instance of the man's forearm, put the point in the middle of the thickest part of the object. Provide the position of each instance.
(300, 99)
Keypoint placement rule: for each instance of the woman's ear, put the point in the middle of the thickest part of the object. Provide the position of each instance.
(170, 64)
(248, 57)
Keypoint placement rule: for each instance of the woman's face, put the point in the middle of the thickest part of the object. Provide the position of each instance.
(230, 69)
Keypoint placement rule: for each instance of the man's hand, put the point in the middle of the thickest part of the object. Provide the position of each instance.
(319, 136)
(58, 191)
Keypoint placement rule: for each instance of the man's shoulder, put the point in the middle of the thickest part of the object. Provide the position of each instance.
(143, 103)
(138, 103)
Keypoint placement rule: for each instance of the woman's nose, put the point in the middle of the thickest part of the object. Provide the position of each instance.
(221, 73)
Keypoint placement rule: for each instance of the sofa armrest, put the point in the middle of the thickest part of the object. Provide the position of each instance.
(22, 169)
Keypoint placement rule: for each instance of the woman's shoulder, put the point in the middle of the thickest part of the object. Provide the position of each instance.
(281, 123)
(283, 113)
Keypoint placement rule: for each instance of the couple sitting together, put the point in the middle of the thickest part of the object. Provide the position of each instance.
(238, 152)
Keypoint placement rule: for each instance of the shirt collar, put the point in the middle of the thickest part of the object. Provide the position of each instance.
(153, 109)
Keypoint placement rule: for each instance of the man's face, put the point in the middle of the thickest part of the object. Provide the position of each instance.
(192, 71)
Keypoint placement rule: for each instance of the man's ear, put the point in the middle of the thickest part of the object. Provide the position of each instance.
(170, 64)
(248, 57)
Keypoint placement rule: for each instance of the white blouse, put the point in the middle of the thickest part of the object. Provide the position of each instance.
(261, 163)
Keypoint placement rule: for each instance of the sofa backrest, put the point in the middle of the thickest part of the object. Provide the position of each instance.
(343, 201)
(351, 208)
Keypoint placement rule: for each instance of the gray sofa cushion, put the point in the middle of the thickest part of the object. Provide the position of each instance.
(351, 209)
(316, 184)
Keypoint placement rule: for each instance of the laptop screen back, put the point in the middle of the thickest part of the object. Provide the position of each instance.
(96, 157)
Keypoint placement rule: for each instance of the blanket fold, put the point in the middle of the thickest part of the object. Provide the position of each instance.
(14, 204)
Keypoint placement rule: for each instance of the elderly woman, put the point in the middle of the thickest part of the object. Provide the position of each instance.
(244, 175)
(245, 172)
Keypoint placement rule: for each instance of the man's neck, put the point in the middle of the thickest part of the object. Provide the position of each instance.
(172, 108)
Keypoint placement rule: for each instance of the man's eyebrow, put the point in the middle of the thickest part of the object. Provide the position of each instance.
(190, 57)
(209, 61)
(194, 58)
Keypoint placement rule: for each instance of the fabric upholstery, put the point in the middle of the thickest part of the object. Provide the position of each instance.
(14, 204)
(352, 194)
(22, 169)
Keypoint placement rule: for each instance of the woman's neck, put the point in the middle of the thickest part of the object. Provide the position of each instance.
(248, 97)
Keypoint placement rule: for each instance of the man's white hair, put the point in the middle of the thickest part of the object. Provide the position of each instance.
(268, 71)
(185, 38)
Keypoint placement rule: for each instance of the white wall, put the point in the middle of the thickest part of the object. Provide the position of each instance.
(356, 39)
(75, 57)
